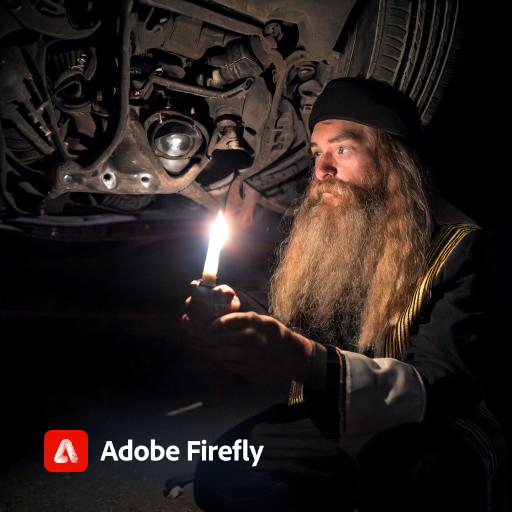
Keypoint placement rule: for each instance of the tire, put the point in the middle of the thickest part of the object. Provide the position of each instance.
(414, 46)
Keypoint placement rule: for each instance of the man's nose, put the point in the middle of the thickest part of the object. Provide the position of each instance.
(325, 167)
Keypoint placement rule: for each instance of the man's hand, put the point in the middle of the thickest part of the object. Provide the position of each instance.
(258, 347)
(194, 328)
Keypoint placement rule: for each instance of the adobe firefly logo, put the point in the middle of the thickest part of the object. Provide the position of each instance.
(65, 451)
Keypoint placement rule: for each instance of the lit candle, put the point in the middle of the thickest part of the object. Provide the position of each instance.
(218, 235)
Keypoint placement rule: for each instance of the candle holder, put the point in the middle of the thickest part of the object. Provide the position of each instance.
(207, 304)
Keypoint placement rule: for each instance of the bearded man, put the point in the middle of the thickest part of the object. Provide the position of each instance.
(374, 318)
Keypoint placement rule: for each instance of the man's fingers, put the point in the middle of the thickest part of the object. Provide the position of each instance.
(234, 306)
(186, 322)
(221, 294)
(225, 289)
(227, 295)
(233, 321)
(192, 330)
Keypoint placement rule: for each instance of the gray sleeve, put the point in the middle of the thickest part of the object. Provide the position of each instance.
(350, 394)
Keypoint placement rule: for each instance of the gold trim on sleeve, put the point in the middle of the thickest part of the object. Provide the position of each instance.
(443, 245)
(296, 394)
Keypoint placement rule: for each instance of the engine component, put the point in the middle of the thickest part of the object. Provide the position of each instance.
(175, 139)
(181, 34)
(229, 153)
(222, 88)
(237, 62)
(54, 18)
(133, 168)
(229, 138)
(196, 90)
(22, 105)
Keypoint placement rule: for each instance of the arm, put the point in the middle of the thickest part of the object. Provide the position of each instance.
(359, 395)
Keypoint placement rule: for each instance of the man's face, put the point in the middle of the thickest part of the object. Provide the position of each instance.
(358, 239)
(344, 151)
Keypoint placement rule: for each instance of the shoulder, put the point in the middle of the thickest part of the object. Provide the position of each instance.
(444, 213)
(457, 243)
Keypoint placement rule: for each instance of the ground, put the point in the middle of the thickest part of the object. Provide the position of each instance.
(122, 486)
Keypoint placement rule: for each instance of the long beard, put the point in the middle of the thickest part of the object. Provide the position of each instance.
(347, 266)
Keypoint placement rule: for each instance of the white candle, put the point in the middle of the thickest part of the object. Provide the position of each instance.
(218, 236)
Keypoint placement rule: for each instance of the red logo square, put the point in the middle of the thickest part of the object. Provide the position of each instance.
(65, 451)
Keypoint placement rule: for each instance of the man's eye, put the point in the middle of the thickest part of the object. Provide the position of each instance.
(343, 150)
(316, 154)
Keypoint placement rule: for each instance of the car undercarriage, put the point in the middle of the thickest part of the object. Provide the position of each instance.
(159, 108)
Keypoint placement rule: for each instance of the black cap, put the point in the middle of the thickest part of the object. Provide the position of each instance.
(369, 102)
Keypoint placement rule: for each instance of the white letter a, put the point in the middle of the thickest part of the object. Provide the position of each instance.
(66, 446)
(109, 451)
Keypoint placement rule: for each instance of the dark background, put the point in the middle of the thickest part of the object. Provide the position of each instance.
(90, 336)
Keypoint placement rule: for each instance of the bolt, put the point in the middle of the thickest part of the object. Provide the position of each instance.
(306, 71)
(67, 179)
(81, 62)
(273, 29)
(136, 93)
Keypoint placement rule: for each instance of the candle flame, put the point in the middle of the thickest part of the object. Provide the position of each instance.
(219, 233)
